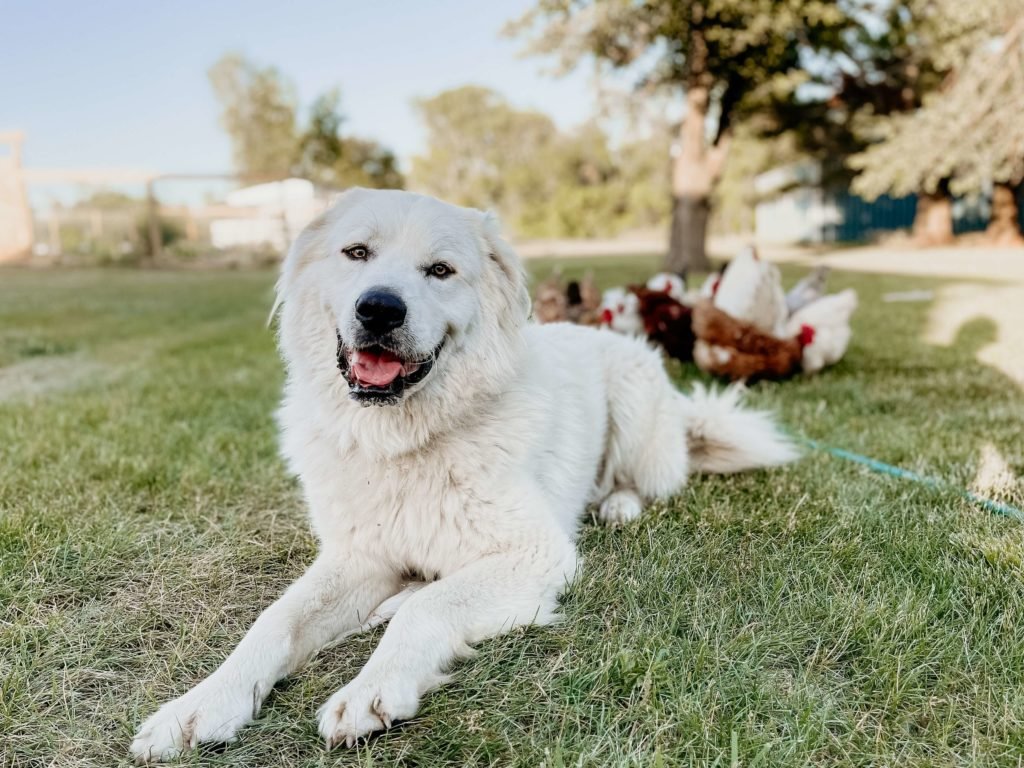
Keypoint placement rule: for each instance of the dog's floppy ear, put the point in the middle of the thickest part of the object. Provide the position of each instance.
(509, 267)
(298, 255)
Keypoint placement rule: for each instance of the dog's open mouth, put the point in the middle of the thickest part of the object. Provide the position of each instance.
(379, 376)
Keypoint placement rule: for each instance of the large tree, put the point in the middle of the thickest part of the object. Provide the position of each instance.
(969, 132)
(728, 59)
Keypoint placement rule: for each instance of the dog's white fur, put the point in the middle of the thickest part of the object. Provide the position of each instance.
(477, 479)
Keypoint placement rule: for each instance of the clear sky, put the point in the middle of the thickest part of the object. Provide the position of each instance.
(113, 83)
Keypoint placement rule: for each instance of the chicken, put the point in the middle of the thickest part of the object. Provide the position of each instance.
(584, 300)
(811, 288)
(709, 287)
(549, 303)
(751, 290)
(737, 350)
(823, 327)
(620, 311)
(666, 282)
(589, 291)
(667, 322)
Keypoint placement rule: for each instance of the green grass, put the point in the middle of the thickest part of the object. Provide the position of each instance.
(813, 615)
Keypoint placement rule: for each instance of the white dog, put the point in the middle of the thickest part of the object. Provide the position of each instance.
(438, 433)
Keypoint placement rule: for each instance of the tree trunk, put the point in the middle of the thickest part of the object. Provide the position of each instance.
(933, 219)
(694, 173)
(686, 250)
(1004, 226)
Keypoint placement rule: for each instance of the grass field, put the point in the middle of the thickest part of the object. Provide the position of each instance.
(814, 615)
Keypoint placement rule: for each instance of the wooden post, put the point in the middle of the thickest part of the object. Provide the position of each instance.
(191, 226)
(156, 244)
(16, 225)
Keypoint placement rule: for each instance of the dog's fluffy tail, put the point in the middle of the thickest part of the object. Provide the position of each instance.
(724, 437)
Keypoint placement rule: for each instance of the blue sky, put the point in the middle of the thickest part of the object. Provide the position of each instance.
(123, 84)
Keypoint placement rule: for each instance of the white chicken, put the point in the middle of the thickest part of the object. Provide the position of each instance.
(710, 286)
(620, 311)
(751, 290)
(824, 329)
(666, 282)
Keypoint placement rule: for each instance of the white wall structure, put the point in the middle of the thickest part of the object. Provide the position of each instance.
(794, 208)
(274, 213)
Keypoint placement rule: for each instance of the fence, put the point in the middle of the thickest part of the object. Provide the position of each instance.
(118, 216)
(206, 219)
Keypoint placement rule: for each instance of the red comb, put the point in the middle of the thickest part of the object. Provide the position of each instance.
(806, 335)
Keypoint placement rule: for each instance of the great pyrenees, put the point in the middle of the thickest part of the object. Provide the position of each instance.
(447, 450)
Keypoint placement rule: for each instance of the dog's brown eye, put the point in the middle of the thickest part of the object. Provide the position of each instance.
(440, 270)
(357, 252)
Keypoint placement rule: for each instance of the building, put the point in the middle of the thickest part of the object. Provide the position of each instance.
(795, 206)
(270, 214)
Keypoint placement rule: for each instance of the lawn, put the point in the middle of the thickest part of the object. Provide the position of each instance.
(815, 615)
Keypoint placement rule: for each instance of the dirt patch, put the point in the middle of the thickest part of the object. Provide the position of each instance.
(40, 376)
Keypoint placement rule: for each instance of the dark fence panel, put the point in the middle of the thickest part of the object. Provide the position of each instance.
(861, 220)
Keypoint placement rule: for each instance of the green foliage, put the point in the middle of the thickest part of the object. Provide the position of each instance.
(483, 152)
(970, 130)
(170, 231)
(259, 106)
(884, 65)
(745, 50)
(259, 112)
(109, 200)
(320, 148)
(330, 159)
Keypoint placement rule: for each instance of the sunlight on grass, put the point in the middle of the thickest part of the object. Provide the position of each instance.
(960, 304)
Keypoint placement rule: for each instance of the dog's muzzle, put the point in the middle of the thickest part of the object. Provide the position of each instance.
(377, 375)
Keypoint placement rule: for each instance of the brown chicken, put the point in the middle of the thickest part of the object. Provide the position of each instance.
(736, 349)
(667, 322)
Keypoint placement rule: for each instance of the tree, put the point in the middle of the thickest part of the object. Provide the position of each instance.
(969, 132)
(320, 147)
(727, 58)
(258, 110)
(484, 152)
(366, 163)
(333, 160)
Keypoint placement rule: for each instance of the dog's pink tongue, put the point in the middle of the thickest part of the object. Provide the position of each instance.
(375, 369)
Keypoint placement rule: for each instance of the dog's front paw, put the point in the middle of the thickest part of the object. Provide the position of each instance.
(210, 712)
(367, 704)
(620, 508)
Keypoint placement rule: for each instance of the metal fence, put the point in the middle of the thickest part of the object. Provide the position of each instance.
(121, 216)
(206, 219)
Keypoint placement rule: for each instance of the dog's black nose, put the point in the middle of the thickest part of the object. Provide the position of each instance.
(380, 310)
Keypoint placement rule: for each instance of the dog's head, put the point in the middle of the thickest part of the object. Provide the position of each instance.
(390, 294)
